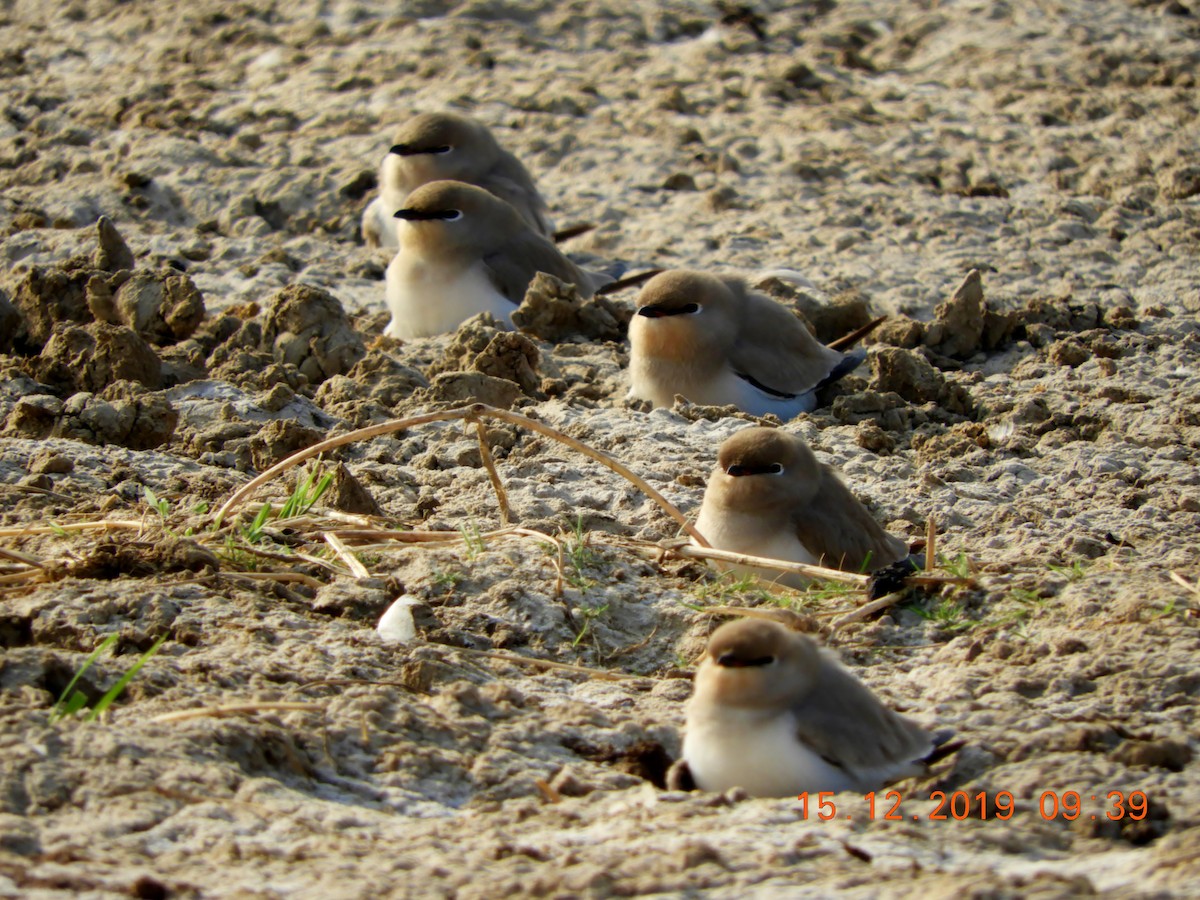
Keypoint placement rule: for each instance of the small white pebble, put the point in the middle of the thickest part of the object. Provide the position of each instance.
(396, 626)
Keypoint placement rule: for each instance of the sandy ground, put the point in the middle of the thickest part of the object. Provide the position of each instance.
(1047, 420)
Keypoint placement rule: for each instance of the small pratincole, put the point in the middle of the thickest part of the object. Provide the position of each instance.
(717, 342)
(776, 715)
(464, 251)
(445, 146)
(770, 496)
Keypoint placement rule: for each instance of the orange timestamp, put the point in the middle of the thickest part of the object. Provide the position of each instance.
(958, 805)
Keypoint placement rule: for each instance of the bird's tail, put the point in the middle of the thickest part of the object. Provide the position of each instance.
(943, 746)
(847, 364)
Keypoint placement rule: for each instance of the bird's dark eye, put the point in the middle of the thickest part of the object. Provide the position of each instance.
(733, 661)
(452, 215)
(690, 309)
(440, 150)
(736, 471)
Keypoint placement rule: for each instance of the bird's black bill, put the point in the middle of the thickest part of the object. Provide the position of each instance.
(423, 215)
(733, 661)
(737, 471)
(658, 312)
(412, 150)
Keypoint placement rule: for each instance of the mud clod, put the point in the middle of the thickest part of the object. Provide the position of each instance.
(112, 253)
(308, 328)
(553, 311)
(164, 306)
(959, 322)
(911, 376)
(90, 357)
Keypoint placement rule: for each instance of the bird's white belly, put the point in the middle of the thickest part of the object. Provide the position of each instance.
(433, 298)
(760, 755)
(742, 533)
(659, 380)
(748, 398)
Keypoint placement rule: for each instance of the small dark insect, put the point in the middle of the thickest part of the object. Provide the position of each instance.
(741, 14)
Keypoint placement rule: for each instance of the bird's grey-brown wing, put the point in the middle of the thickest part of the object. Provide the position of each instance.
(841, 533)
(775, 349)
(513, 266)
(510, 181)
(848, 726)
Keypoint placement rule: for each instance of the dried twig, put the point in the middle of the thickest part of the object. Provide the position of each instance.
(485, 453)
(290, 577)
(549, 793)
(235, 709)
(601, 674)
(930, 543)
(99, 525)
(469, 413)
(792, 619)
(849, 340)
(691, 552)
(868, 609)
(29, 576)
(18, 556)
(1185, 584)
(352, 562)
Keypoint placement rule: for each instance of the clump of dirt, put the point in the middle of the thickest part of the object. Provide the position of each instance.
(90, 357)
(308, 328)
(347, 493)
(279, 439)
(112, 254)
(553, 311)
(125, 415)
(481, 355)
(375, 389)
(962, 325)
(163, 306)
(111, 559)
(46, 297)
(911, 376)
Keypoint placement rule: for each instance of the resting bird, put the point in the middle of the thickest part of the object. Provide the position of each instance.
(770, 496)
(776, 715)
(464, 251)
(717, 342)
(446, 146)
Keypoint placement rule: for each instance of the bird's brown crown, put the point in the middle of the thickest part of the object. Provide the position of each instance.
(757, 450)
(441, 133)
(748, 643)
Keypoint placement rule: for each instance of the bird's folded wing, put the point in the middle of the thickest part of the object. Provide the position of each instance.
(510, 181)
(512, 267)
(841, 533)
(776, 350)
(847, 725)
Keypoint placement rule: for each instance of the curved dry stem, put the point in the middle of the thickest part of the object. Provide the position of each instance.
(604, 459)
(485, 454)
(764, 562)
(469, 413)
(341, 440)
(235, 709)
(99, 525)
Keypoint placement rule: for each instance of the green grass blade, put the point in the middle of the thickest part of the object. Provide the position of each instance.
(62, 706)
(115, 691)
(77, 702)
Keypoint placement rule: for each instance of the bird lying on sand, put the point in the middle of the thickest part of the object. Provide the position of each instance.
(770, 496)
(464, 251)
(717, 342)
(776, 715)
